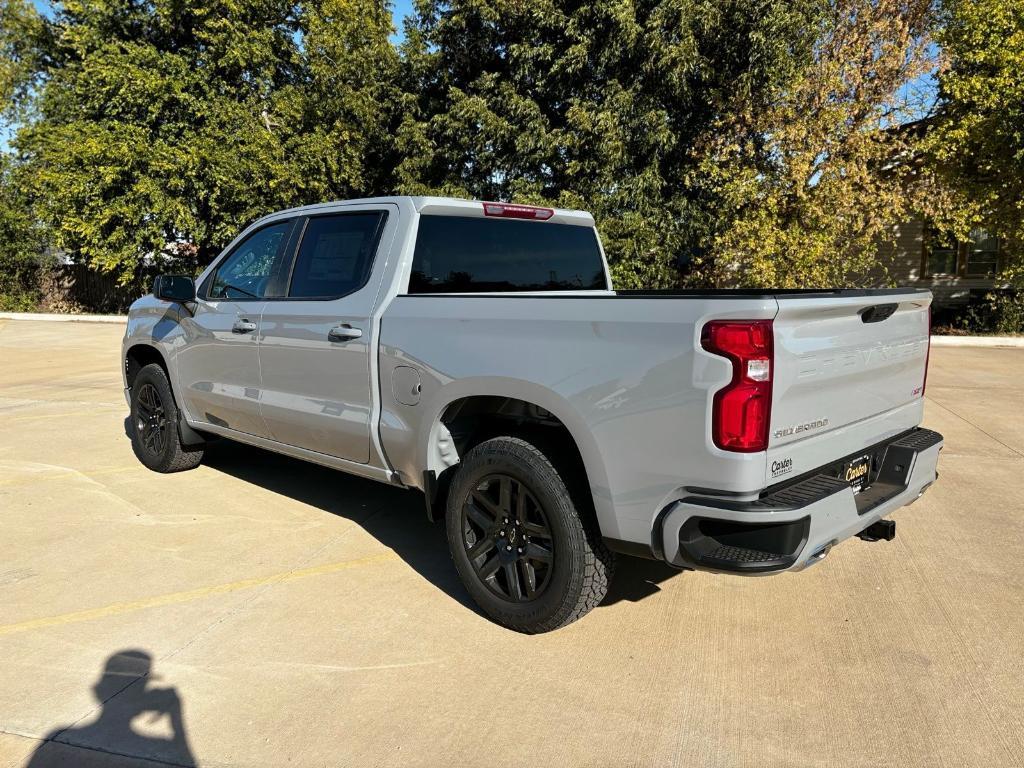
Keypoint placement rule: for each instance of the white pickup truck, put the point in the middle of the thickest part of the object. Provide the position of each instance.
(476, 352)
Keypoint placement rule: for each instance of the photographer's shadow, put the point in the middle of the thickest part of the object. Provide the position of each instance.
(125, 693)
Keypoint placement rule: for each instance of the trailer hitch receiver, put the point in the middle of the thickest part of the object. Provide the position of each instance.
(881, 529)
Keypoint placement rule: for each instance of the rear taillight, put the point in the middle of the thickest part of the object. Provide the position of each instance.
(509, 211)
(742, 409)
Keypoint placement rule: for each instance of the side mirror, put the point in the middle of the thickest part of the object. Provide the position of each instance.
(180, 288)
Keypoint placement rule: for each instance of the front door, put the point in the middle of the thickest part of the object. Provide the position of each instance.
(315, 342)
(218, 366)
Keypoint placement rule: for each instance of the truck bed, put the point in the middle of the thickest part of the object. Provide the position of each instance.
(625, 372)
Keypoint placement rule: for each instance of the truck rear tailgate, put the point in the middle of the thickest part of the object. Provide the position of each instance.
(849, 372)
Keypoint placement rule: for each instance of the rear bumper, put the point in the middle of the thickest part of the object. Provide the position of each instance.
(793, 526)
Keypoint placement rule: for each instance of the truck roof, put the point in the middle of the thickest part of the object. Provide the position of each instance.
(439, 206)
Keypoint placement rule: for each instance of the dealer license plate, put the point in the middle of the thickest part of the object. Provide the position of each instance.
(857, 472)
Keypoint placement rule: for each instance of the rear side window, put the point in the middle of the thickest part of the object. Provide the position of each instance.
(335, 255)
(481, 255)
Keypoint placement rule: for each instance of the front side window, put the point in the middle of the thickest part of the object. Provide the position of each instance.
(247, 272)
(462, 254)
(335, 255)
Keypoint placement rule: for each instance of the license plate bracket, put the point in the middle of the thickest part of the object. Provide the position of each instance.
(857, 472)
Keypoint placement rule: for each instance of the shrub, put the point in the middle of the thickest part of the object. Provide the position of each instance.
(1001, 313)
(19, 282)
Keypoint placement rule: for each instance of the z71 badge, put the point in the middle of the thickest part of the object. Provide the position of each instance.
(787, 431)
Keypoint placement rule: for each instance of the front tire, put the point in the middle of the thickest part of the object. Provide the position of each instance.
(154, 418)
(524, 552)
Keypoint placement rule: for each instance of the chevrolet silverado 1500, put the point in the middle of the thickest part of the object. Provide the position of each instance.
(476, 352)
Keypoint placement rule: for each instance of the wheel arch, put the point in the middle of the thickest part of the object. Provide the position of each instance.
(138, 356)
(469, 411)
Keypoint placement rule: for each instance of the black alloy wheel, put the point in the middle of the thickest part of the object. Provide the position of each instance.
(507, 538)
(524, 541)
(151, 420)
(156, 439)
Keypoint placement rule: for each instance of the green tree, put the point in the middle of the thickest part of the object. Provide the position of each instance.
(593, 105)
(813, 180)
(977, 146)
(974, 151)
(21, 247)
(162, 127)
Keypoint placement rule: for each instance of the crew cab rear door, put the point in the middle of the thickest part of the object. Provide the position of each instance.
(849, 372)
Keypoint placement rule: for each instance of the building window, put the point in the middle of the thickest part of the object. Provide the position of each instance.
(942, 255)
(981, 257)
(977, 257)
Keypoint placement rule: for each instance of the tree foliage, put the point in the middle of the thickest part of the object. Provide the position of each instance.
(813, 179)
(161, 127)
(592, 105)
(977, 146)
(722, 142)
(21, 245)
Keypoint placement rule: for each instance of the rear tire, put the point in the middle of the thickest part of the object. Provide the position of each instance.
(524, 551)
(154, 419)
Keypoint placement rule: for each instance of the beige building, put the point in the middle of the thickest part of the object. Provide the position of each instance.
(921, 257)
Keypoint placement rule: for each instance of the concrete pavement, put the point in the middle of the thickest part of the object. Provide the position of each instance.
(260, 611)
